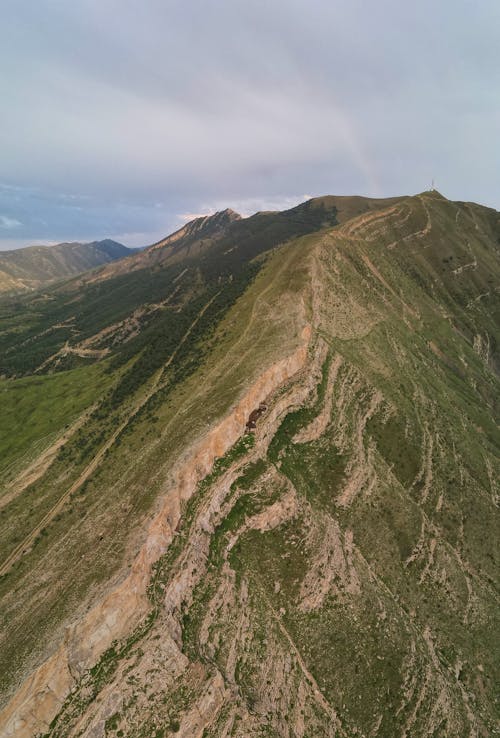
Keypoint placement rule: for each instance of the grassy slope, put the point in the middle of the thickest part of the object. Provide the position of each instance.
(133, 474)
(402, 638)
(426, 530)
(35, 411)
(32, 329)
(411, 647)
(33, 266)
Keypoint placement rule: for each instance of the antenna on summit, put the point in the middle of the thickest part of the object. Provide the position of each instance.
(432, 185)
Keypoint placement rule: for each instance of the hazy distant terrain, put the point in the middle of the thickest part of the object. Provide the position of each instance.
(31, 267)
(249, 479)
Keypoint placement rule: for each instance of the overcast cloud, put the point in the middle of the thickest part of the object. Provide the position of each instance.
(123, 117)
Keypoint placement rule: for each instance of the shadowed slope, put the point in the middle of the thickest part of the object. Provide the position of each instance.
(34, 266)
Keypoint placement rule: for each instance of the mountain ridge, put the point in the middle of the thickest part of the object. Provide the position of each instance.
(198, 234)
(31, 267)
(216, 221)
(282, 506)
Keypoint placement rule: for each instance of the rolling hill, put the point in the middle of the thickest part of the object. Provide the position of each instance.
(34, 266)
(249, 481)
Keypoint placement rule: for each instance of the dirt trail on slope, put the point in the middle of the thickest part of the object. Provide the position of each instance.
(42, 462)
(364, 227)
(129, 328)
(421, 233)
(373, 269)
(92, 466)
(356, 227)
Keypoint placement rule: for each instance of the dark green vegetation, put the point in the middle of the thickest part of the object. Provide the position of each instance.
(35, 266)
(333, 573)
(34, 329)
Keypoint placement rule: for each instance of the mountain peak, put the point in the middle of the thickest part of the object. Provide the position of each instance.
(204, 226)
(229, 213)
(218, 219)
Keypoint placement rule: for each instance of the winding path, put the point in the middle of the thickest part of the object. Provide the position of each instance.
(92, 466)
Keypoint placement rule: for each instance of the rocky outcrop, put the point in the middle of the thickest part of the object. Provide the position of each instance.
(38, 700)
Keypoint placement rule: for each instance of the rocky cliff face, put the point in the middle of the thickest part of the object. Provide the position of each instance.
(322, 560)
(40, 698)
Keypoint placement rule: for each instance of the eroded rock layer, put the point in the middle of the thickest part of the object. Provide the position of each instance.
(321, 559)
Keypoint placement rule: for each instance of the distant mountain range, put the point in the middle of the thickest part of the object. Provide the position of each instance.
(32, 267)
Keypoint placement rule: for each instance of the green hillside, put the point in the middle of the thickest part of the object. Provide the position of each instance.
(249, 483)
(29, 268)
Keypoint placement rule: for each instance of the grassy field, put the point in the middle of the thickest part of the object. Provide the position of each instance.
(36, 410)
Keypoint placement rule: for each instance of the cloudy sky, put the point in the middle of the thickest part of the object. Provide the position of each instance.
(123, 118)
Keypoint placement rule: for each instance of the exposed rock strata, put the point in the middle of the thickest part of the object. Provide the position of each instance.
(40, 697)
